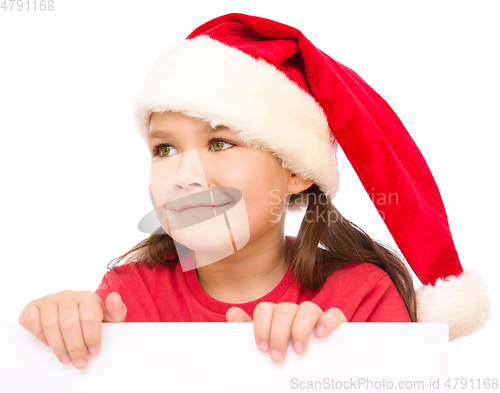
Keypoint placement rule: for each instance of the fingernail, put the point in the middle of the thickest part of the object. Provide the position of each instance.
(79, 363)
(66, 359)
(263, 346)
(276, 355)
(320, 330)
(297, 347)
(93, 350)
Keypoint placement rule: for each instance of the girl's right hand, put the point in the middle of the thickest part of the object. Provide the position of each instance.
(70, 322)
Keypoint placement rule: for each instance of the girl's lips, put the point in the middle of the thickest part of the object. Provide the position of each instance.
(201, 209)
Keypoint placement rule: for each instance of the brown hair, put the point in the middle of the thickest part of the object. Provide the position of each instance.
(311, 265)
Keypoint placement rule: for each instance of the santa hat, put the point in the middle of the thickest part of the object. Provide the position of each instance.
(270, 85)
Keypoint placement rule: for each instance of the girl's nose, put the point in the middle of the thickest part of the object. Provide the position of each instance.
(190, 171)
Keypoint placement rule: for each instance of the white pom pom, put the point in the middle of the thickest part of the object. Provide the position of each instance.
(462, 302)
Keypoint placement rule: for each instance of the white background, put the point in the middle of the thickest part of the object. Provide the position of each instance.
(75, 171)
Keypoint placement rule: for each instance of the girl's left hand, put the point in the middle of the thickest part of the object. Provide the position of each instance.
(273, 324)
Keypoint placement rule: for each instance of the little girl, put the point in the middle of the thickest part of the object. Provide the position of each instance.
(243, 120)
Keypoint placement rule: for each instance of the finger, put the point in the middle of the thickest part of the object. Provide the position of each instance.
(71, 330)
(262, 318)
(49, 319)
(236, 314)
(91, 314)
(114, 309)
(329, 321)
(281, 326)
(30, 320)
(305, 320)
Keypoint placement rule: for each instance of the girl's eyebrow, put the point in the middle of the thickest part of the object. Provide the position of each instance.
(156, 134)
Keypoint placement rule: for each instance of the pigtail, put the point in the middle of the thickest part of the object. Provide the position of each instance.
(343, 243)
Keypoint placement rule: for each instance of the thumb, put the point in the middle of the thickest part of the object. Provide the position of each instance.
(236, 314)
(114, 310)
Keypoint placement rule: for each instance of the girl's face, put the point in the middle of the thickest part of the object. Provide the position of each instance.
(245, 190)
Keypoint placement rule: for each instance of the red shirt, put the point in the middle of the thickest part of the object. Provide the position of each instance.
(363, 292)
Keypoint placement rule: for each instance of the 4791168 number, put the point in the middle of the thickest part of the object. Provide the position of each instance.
(27, 5)
(471, 383)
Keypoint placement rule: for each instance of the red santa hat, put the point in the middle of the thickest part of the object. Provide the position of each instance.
(276, 90)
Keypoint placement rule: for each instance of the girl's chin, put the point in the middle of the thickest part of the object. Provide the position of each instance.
(213, 242)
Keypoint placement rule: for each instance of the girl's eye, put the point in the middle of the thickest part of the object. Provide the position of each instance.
(219, 143)
(163, 149)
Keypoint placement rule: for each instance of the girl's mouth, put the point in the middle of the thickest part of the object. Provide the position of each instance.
(201, 209)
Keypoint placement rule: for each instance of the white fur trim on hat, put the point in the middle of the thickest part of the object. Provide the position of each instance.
(208, 80)
(462, 302)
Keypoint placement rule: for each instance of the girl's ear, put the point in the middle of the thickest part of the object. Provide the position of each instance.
(298, 183)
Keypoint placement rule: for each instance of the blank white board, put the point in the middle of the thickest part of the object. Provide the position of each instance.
(223, 358)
